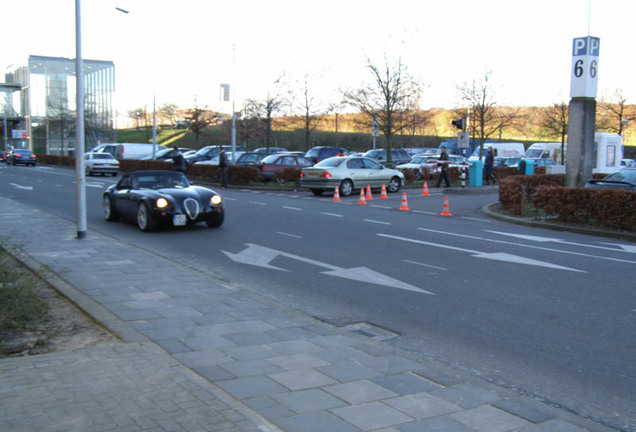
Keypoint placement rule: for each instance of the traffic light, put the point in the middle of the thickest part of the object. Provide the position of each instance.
(24, 135)
(459, 123)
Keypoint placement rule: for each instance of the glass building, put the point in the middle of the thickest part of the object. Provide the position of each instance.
(46, 106)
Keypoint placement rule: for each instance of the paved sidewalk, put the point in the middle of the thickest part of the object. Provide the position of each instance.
(201, 355)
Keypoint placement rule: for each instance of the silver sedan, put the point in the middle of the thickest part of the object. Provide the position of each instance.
(349, 173)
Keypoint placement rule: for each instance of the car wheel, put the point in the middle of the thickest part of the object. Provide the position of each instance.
(88, 171)
(110, 214)
(14, 162)
(216, 220)
(394, 185)
(145, 221)
(346, 188)
(317, 192)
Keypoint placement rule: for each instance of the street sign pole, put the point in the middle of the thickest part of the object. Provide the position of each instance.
(582, 118)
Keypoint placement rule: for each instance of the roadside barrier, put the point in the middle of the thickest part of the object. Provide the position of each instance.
(369, 197)
(383, 194)
(362, 201)
(446, 208)
(425, 189)
(405, 204)
(336, 195)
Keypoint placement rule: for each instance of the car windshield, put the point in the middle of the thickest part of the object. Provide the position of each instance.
(373, 153)
(418, 159)
(330, 162)
(533, 153)
(626, 176)
(159, 181)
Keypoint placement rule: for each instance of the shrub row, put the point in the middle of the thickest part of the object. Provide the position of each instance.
(546, 196)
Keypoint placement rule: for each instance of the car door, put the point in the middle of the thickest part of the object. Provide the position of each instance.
(375, 172)
(124, 198)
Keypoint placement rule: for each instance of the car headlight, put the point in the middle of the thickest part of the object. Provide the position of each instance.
(162, 203)
(215, 200)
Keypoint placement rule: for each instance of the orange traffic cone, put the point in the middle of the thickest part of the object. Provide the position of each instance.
(425, 189)
(405, 205)
(383, 194)
(362, 200)
(446, 210)
(336, 195)
(369, 196)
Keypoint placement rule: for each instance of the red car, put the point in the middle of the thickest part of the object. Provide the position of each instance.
(270, 165)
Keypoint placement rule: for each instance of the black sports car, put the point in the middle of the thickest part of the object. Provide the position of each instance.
(158, 197)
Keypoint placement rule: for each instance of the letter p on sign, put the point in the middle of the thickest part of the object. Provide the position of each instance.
(584, 78)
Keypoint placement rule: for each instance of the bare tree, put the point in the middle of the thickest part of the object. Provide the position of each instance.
(615, 114)
(311, 110)
(261, 113)
(389, 98)
(137, 115)
(168, 114)
(200, 118)
(487, 119)
(554, 120)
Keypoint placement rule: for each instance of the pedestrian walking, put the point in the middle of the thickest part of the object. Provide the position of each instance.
(223, 166)
(178, 161)
(489, 163)
(443, 163)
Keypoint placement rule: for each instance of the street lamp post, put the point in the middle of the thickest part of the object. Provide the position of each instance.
(79, 126)
(154, 105)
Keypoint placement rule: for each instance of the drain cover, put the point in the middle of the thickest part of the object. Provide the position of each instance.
(371, 331)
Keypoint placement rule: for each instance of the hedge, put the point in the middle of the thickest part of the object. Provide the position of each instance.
(546, 196)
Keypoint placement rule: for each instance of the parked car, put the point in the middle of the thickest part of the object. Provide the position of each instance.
(250, 158)
(165, 154)
(624, 178)
(272, 164)
(21, 156)
(538, 163)
(417, 162)
(316, 154)
(350, 173)
(161, 197)
(4, 154)
(215, 160)
(100, 163)
(271, 150)
(454, 161)
(398, 156)
(210, 152)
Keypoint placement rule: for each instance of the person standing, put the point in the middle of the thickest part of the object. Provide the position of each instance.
(178, 161)
(443, 163)
(489, 163)
(223, 167)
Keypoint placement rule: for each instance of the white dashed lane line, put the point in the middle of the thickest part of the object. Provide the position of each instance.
(376, 222)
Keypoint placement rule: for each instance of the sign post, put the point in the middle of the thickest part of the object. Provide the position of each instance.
(582, 118)
(375, 129)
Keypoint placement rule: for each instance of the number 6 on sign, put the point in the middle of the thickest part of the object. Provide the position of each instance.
(584, 80)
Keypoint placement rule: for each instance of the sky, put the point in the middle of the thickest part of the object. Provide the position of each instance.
(182, 51)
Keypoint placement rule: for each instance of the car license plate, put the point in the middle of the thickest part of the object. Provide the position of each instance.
(313, 174)
(179, 220)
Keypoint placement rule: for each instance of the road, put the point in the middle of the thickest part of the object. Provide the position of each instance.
(548, 314)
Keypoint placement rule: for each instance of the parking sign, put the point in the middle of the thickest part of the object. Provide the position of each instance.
(584, 78)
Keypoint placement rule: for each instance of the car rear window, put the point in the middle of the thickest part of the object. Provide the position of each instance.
(331, 162)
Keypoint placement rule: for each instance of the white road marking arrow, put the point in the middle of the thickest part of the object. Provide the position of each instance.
(261, 256)
(626, 248)
(498, 256)
(17, 186)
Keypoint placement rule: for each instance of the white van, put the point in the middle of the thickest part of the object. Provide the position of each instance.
(545, 151)
(128, 150)
(608, 152)
(502, 150)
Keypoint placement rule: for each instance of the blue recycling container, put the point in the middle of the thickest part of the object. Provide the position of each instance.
(476, 174)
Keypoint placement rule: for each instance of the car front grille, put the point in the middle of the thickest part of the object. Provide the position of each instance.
(192, 208)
